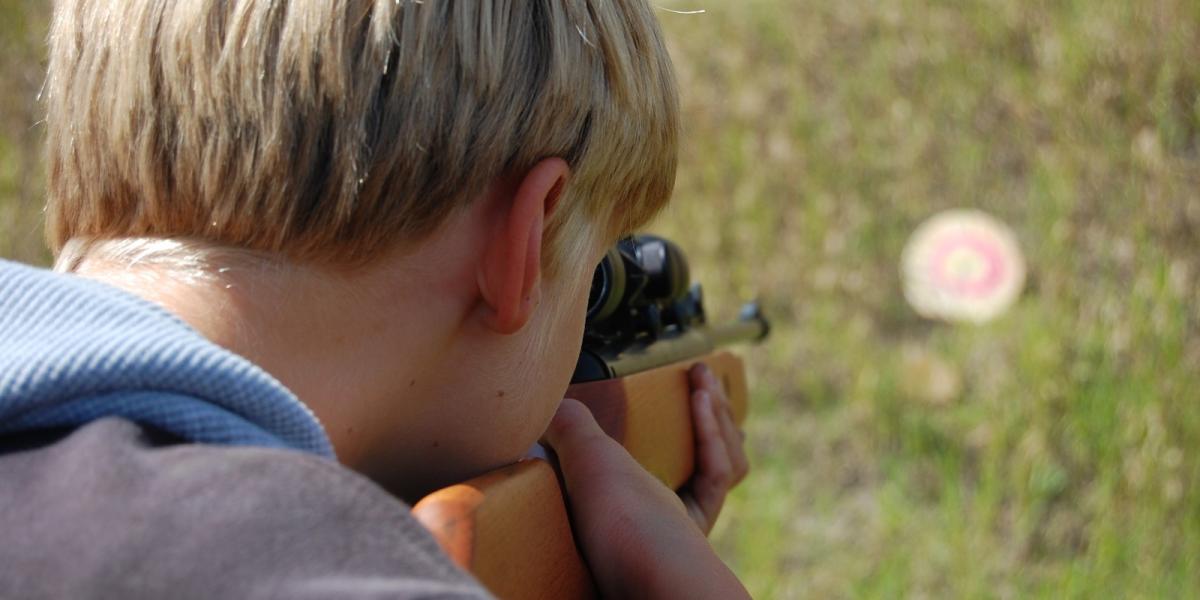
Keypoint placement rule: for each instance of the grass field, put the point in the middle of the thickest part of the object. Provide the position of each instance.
(1050, 453)
(1061, 460)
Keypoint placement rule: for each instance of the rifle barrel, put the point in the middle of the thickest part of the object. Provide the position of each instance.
(750, 326)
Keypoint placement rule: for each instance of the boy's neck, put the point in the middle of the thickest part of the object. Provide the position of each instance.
(336, 341)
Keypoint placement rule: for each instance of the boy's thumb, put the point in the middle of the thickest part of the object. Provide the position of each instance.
(573, 429)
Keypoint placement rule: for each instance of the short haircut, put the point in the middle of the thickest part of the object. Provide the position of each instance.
(332, 130)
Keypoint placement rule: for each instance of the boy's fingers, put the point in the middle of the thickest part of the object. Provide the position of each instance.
(715, 473)
(701, 377)
(712, 450)
(710, 378)
(733, 438)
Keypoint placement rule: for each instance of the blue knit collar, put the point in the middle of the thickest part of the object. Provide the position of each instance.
(74, 350)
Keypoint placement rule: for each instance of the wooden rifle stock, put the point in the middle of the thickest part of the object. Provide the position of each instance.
(645, 329)
(511, 528)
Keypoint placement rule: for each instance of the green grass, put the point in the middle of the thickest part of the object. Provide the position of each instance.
(818, 135)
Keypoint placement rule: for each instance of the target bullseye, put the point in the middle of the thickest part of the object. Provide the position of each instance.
(962, 265)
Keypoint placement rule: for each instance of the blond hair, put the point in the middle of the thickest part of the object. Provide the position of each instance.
(331, 130)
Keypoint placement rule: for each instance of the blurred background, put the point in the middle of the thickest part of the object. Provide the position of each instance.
(23, 26)
(1051, 452)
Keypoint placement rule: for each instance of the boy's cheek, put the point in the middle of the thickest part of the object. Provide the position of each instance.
(500, 414)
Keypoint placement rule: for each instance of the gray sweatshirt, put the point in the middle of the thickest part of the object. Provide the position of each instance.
(138, 460)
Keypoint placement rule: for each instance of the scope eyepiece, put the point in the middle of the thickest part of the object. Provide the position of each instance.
(608, 287)
(642, 313)
(639, 290)
(665, 267)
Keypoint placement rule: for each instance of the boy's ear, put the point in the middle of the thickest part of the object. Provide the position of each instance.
(511, 266)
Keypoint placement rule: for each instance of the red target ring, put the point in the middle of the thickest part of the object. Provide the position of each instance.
(962, 266)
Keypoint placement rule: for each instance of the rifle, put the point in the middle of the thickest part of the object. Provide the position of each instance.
(645, 328)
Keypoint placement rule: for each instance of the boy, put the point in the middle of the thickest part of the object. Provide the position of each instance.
(320, 228)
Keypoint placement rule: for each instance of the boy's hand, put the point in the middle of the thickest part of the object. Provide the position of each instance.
(720, 456)
(638, 537)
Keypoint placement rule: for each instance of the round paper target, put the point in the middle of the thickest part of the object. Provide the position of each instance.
(962, 265)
